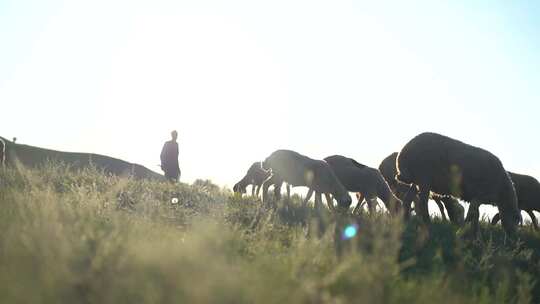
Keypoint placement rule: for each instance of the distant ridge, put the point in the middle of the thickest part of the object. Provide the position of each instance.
(32, 157)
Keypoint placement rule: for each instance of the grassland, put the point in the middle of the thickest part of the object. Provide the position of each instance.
(86, 237)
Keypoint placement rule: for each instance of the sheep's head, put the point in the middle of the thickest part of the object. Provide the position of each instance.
(344, 200)
(239, 188)
(403, 179)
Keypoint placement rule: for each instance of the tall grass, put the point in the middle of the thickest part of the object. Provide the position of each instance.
(84, 237)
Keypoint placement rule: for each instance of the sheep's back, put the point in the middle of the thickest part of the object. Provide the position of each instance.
(451, 167)
(291, 166)
(527, 191)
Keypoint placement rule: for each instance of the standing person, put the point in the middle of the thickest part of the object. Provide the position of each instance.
(169, 159)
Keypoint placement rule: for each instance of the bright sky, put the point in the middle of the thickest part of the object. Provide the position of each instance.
(240, 79)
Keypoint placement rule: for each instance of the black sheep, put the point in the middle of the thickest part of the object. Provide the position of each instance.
(445, 166)
(255, 177)
(388, 170)
(528, 195)
(366, 181)
(299, 170)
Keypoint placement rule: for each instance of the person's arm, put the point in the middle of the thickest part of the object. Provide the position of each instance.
(162, 155)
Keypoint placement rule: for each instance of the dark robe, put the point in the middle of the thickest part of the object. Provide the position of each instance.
(169, 160)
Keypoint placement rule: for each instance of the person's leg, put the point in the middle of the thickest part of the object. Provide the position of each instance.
(170, 176)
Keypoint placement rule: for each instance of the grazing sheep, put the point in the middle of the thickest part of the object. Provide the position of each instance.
(528, 195)
(299, 170)
(2, 153)
(388, 170)
(255, 176)
(446, 166)
(366, 181)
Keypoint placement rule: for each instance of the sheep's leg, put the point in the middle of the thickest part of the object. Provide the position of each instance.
(277, 190)
(318, 201)
(422, 206)
(360, 198)
(357, 209)
(454, 209)
(372, 203)
(473, 213)
(408, 197)
(265, 186)
(288, 191)
(329, 202)
(258, 190)
(253, 190)
(533, 219)
(441, 208)
(495, 219)
(369, 205)
(271, 180)
(473, 216)
(308, 197)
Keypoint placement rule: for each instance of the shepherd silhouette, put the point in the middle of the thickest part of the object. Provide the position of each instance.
(169, 159)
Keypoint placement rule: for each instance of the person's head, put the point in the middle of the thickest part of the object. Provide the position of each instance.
(174, 135)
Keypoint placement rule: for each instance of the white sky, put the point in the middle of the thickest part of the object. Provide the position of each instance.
(239, 79)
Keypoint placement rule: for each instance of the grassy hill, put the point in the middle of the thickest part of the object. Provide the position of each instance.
(33, 157)
(79, 236)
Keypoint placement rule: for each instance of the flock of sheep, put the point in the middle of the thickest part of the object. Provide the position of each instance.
(429, 166)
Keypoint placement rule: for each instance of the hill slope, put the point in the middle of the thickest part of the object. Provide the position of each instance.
(33, 157)
(82, 237)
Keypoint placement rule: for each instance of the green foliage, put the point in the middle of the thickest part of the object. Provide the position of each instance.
(83, 236)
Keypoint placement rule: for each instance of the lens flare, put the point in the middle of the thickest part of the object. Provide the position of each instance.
(350, 231)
